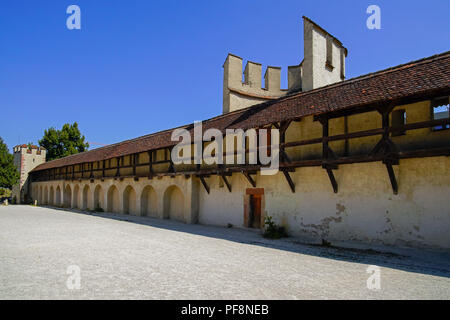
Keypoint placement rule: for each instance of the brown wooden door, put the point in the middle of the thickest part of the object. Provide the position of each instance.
(255, 211)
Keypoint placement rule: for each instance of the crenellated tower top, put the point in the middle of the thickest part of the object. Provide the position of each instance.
(323, 64)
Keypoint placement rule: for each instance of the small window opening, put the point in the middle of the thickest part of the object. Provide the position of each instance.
(440, 110)
(329, 62)
(398, 120)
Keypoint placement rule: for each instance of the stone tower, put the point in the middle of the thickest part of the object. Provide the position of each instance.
(26, 158)
(323, 64)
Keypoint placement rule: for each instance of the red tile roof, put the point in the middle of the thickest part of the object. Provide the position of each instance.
(419, 78)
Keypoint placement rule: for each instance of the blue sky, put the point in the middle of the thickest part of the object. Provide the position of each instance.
(137, 67)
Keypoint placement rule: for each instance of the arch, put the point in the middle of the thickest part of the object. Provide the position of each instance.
(86, 198)
(149, 202)
(45, 199)
(58, 196)
(76, 192)
(99, 198)
(51, 198)
(129, 201)
(113, 200)
(174, 204)
(67, 196)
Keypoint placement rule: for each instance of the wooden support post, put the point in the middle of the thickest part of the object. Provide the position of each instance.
(150, 165)
(226, 182)
(205, 185)
(332, 180)
(385, 145)
(327, 152)
(289, 180)
(92, 170)
(392, 178)
(249, 178)
(133, 158)
(171, 165)
(103, 168)
(283, 127)
(118, 167)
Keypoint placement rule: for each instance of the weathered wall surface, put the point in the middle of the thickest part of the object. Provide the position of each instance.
(364, 210)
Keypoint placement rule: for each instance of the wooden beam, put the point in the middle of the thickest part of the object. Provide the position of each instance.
(91, 175)
(392, 178)
(205, 185)
(249, 178)
(150, 164)
(332, 180)
(226, 181)
(327, 152)
(133, 159)
(171, 165)
(289, 180)
(283, 127)
(118, 166)
(385, 145)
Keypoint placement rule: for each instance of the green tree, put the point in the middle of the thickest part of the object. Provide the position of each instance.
(64, 142)
(9, 175)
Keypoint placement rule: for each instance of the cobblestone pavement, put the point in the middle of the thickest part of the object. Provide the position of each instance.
(123, 257)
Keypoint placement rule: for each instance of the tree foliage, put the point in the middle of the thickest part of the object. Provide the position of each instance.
(9, 175)
(64, 142)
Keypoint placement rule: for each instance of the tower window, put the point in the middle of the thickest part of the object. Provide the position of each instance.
(329, 62)
(440, 110)
(398, 120)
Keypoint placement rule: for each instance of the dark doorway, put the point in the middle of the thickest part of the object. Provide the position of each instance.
(254, 219)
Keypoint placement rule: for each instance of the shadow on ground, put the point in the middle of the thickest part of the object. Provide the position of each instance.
(435, 263)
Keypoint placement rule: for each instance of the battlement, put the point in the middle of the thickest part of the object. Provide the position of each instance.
(323, 64)
(244, 88)
(33, 150)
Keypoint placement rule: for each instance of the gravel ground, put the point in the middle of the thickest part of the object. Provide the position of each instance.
(123, 257)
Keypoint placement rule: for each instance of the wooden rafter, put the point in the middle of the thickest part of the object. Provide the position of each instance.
(332, 180)
(249, 178)
(392, 178)
(205, 185)
(227, 183)
(283, 128)
(289, 180)
(118, 167)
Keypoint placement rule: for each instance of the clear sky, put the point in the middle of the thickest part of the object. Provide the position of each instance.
(137, 67)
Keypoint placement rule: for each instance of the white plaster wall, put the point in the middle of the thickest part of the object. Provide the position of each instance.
(365, 208)
(221, 207)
